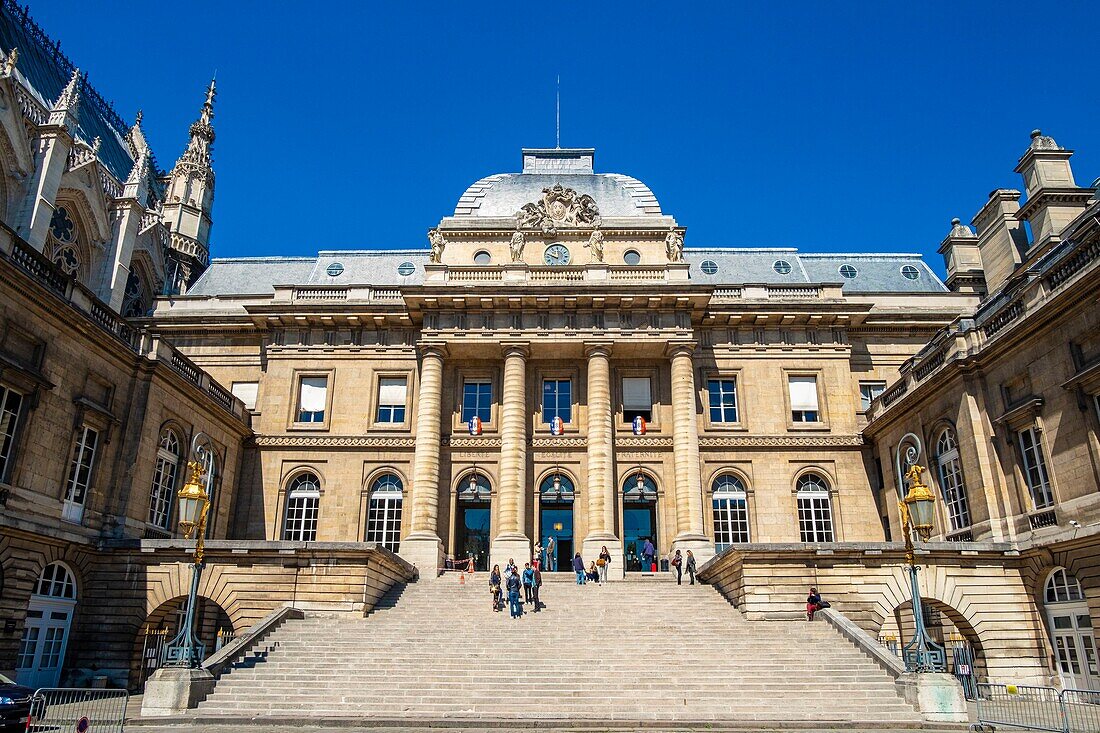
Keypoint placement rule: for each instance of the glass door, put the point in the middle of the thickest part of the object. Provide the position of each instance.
(45, 637)
(1075, 647)
(639, 525)
(556, 522)
(473, 534)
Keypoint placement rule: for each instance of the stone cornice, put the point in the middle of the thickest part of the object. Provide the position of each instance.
(559, 442)
(637, 441)
(334, 441)
(781, 441)
(461, 441)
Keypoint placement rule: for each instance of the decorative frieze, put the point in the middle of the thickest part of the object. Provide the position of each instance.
(334, 441)
(781, 441)
(462, 441)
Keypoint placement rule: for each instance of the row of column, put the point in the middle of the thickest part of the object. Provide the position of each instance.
(423, 545)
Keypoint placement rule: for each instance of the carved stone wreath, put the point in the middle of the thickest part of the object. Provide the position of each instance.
(559, 206)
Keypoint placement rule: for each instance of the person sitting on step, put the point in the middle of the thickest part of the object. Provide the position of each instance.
(814, 604)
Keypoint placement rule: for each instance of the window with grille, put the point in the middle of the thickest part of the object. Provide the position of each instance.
(723, 400)
(557, 400)
(164, 480)
(1063, 588)
(477, 400)
(303, 498)
(384, 512)
(803, 394)
(637, 399)
(1035, 469)
(11, 402)
(868, 391)
(391, 399)
(312, 399)
(731, 513)
(815, 511)
(951, 480)
(80, 473)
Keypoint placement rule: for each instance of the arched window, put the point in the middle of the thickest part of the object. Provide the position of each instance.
(815, 510)
(731, 513)
(1063, 588)
(556, 488)
(639, 488)
(56, 582)
(164, 480)
(951, 479)
(302, 499)
(384, 512)
(474, 487)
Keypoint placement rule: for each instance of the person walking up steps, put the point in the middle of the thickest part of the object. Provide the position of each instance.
(690, 566)
(514, 606)
(528, 582)
(535, 590)
(578, 568)
(603, 563)
(648, 552)
(494, 588)
(678, 564)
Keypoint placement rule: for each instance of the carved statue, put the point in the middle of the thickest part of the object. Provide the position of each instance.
(438, 243)
(674, 245)
(595, 243)
(559, 206)
(516, 246)
(913, 476)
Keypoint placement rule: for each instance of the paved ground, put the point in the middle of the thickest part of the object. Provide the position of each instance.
(257, 727)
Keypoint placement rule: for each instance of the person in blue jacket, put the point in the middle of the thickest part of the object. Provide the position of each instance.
(513, 596)
(578, 568)
(528, 582)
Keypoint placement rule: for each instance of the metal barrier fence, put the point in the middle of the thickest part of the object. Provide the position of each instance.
(1038, 708)
(78, 710)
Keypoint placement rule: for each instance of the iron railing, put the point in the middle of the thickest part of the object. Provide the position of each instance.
(77, 709)
(1030, 707)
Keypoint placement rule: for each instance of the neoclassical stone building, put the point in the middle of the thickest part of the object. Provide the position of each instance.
(554, 363)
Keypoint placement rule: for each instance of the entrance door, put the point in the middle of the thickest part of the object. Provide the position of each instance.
(1071, 634)
(46, 632)
(556, 521)
(639, 524)
(472, 538)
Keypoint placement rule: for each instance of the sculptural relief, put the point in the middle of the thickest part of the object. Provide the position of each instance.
(438, 244)
(559, 206)
(516, 246)
(595, 244)
(674, 245)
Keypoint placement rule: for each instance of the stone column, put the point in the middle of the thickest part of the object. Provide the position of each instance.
(601, 465)
(422, 547)
(685, 442)
(510, 540)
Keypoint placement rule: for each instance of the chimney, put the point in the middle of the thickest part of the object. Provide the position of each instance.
(1001, 236)
(963, 258)
(1053, 198)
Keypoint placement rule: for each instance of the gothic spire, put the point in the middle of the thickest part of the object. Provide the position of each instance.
(65, 109)
(198, 153)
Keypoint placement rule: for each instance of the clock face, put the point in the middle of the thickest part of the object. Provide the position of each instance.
(557, 254)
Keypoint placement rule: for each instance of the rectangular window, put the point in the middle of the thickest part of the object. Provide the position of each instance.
(723, 400)
(637, 399)
(1035, 469)
(11, 402)
(312, 399)
(246, 393)
(477, 400)
(80, 474)
(803, 393)
(391, 399)
(557, 400)
(868, 391)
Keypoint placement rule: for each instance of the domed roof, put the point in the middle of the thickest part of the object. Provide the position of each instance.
(503, 194)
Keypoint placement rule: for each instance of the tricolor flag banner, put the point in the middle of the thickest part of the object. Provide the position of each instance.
(475, 425)
(557, 426)
(639, 425)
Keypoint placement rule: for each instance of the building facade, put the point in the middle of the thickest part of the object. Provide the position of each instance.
(555, 364)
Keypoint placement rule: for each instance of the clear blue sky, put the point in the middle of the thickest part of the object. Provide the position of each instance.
(824, 126)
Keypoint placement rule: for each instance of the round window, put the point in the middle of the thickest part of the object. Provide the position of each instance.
(406, 268)
(335, 269)
(848, 272)
(782, 267)
(632, 257)
(482, 258)
(910, 273)
(710, 267)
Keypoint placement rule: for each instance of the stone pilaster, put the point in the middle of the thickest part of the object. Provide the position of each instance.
(601, 468)
(510, 540)
(685, 441)
(422, 547)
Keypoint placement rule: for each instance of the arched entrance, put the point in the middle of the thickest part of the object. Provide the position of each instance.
(1070, 628)
(213, 628)
(947, 627)
(556, 521)
(473, 520)
(46, 633)
(639, 519)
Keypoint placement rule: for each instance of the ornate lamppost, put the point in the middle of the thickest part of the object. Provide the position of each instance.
(185, 650)
(921, 654)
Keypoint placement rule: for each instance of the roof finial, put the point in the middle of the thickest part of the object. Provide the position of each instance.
(208, 105)
(138, 118)
(557, 115)
(65, 110)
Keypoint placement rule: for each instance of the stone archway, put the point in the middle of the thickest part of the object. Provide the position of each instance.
(962, 645)
(213, 628)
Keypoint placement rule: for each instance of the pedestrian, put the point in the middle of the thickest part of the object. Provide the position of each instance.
(690, 566)
(528, 582)
(551, 563)
(511, 568)
(535, 589)
(539, 561)
(513, 596)
(678, 562)
(578, 568)
(494, 588)
(814, 604)
(593, 573)
(648, 552)
(603, 563)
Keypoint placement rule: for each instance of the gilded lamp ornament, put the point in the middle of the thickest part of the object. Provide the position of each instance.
(194, 503)
(919, 502)
(185, 649)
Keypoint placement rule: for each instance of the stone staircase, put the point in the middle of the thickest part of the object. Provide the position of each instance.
(634, 650)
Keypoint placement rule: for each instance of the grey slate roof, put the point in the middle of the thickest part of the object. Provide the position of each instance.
(875, 272)
(503, 194)
(47, 71)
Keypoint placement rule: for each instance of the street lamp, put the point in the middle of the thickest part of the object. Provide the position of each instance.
(921, 654)
(185, 650)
